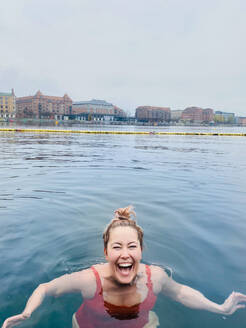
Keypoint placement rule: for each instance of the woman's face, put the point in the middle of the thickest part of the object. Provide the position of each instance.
(123, 254)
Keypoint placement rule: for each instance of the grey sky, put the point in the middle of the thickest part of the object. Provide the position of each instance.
(172, 53)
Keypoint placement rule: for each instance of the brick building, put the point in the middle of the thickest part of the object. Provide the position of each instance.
(208, 115)
(42, 106)
(197, 115)
(153, 114)
(119, 114)
(7, 105)
(241, 120)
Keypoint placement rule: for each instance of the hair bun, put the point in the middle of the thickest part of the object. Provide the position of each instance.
(122, 218)
(124, 213)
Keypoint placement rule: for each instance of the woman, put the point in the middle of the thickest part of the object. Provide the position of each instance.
(122, 292)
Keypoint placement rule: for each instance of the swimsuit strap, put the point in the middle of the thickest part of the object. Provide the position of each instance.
(99, 284)
(148, 272)
(98, 281)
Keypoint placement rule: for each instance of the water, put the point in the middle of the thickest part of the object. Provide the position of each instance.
(58, 191)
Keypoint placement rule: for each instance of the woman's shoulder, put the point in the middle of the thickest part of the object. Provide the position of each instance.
(100, 268)
(89, 273)
(88, 280)
(158, 277)
(85, 275)
(157, 271)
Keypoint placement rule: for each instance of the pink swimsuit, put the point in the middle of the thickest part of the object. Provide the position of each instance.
(97, 313)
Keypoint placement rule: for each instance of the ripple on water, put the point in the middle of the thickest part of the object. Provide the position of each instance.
(189, 195)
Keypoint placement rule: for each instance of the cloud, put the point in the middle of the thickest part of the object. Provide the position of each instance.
(161, 52)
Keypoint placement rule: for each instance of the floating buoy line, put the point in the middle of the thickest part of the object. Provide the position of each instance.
(123, 132)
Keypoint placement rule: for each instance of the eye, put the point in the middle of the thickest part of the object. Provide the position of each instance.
(116, 247)
(132, 246)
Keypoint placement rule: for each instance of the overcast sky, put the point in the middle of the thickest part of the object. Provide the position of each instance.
(174, 53)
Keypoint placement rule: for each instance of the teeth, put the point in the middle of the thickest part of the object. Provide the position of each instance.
(125, 265)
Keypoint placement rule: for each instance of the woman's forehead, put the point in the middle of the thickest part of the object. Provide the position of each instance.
(123, 233)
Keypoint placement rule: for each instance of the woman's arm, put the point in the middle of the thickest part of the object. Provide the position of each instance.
(34, 302)
(82, 281)
(194, 299)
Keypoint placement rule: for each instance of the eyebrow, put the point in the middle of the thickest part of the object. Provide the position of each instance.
(119, 243)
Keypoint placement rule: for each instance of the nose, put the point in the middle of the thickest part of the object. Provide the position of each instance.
(124, 253)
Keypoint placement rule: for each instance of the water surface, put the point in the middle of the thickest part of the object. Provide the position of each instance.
(58, 191)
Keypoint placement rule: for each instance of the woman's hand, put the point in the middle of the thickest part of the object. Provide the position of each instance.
(15, 320)
(74, 282)
(233, 303)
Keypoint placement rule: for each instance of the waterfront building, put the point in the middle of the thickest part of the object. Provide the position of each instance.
(41, 106)
(192, 114)
(240, 120)
(223, 117)
(7, 105)
(208, 115)
(176, 115)
(153, 114)
(97, 110)
(197, 115)
(119, 114)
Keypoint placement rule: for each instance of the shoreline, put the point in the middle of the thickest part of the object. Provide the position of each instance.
(53, 122)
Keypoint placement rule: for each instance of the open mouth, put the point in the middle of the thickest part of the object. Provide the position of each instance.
(125, 268)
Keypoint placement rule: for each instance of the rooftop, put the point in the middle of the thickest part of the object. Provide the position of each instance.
(218, 112)
(5, 94)
(93, 102)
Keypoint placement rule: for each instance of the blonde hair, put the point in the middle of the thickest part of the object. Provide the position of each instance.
(122, 218)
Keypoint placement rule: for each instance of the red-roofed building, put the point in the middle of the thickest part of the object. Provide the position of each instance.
(42, 106)
(153, 114)
(197, 114)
